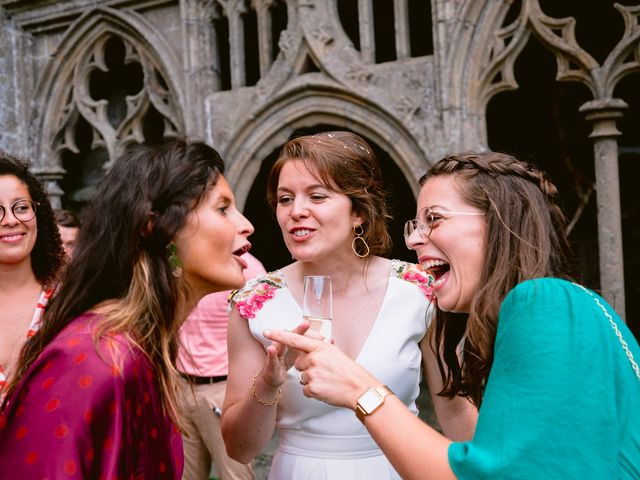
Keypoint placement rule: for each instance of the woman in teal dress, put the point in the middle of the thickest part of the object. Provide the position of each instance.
(552, 368)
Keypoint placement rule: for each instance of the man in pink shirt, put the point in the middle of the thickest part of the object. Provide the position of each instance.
(204, 364)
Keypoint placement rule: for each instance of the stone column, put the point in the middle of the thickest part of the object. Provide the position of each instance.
(236, 45)
(264, 36)
(50, 177)
(401, 20)
(603, 114)
(367, 37)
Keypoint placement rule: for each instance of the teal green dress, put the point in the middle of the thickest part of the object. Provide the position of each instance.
(562, 400)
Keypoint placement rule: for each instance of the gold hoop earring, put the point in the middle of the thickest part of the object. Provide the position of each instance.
(358, 230)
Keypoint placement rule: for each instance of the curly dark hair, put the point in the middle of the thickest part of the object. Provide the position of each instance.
(47, 255)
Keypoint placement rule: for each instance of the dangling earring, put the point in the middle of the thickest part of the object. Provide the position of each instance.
(175, 264)
(358, 230)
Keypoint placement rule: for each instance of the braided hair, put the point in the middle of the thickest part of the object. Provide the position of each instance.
(526, 239)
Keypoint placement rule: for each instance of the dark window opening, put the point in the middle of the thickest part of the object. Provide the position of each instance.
(85, 169)
(512, 13)
(153, 126)
(560, 143)
(384, 31)
(221, 28)
(348, 14)
(599, 26)
(629, 162)
(279, 20)
(420, 28)
(119, 81)
(251, 49)
(309, 65)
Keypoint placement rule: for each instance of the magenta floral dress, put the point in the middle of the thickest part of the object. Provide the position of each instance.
(78, 414)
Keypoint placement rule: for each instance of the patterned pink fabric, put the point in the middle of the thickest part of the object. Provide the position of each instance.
(43, 300)
(80, 414)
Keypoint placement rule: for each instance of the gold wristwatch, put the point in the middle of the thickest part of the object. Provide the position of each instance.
(371, 400)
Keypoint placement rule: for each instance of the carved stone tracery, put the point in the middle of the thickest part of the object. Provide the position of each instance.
(437, 99)
(558, 36)
(574, 64)
(109, 132)
(112, 90)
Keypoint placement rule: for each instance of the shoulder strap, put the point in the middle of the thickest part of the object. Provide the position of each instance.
(616, 330)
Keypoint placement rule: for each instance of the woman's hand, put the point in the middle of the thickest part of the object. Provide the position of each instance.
(280, 358)
(327, 374)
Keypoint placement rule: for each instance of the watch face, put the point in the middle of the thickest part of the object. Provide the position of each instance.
(369, 400)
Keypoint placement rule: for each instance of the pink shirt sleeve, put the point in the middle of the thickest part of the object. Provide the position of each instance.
(203, 336)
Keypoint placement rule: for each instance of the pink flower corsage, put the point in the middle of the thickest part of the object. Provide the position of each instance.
(250, 299)
(416, 274)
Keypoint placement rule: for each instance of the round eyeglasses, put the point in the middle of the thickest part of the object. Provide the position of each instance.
(429, 218)
(23, 210)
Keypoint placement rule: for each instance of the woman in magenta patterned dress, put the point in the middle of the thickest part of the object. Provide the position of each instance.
(94, 393)
(30, 257)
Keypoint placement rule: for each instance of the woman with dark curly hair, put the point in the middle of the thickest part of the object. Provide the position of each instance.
(30, 256)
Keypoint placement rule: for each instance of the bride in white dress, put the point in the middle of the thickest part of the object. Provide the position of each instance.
(327, 192)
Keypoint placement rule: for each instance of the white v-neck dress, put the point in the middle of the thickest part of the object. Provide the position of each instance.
(319, 441)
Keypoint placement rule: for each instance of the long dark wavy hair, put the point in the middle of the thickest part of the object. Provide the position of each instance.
(346, 164)
(47, 255)
(121, 255)
(526, 239)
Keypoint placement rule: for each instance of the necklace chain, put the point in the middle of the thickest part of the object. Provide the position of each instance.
(615, 328)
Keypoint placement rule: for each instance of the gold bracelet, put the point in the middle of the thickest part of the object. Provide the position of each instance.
(273, 403)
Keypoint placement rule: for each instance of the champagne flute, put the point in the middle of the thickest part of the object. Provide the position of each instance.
(317, 304)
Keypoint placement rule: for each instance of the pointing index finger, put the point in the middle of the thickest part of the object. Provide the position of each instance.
(293, 340)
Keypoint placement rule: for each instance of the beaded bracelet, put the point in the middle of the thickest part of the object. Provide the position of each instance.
(273, 403)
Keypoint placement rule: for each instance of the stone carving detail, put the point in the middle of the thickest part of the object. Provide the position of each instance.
(575, 64)
(117, 110)
(558, 35)
(625, 57)
(361, 75)
(322, 34)
(240, 20)
(287, 41)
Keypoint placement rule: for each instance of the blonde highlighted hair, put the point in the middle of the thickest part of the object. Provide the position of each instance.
(121, 262)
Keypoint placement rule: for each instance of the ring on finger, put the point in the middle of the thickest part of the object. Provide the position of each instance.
(301, 379)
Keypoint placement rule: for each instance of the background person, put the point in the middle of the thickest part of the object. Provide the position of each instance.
(95, 390)
(203, 363)
(30, 257)
(68, 226)
(327, 193)
(551, 364)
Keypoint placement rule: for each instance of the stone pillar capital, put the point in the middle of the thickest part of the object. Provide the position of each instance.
(603, 115)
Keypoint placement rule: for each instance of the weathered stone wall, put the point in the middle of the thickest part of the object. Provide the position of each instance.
(416, 108)
(8, 124)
